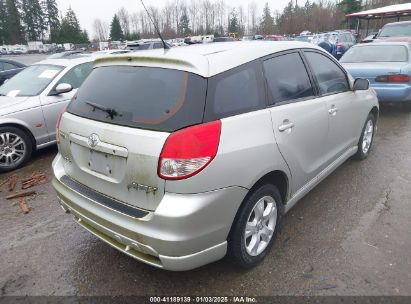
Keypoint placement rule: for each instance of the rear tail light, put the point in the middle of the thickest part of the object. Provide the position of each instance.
(339, 45)
(58, 125)
(188, 151)
(393, 78)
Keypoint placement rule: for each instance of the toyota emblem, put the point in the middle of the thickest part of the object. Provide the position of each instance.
(93, 140)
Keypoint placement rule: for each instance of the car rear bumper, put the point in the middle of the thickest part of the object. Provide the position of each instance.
(392, 92)
(186, 231)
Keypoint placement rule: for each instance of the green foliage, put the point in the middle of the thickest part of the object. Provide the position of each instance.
(184, 25)
(116, 32)
(267, 21)
(12, 30)
(51, 16)
(70, 31)
(233, 26)
(33, 19)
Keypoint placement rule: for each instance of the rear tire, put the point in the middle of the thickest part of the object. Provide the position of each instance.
(367, 138)
(15, 148)
(255, 227)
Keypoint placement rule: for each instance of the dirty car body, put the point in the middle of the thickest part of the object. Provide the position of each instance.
(176, 170)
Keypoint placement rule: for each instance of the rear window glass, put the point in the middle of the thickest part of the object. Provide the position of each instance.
(376, 53)
(396, 30)
(235, 92)
(148, 98)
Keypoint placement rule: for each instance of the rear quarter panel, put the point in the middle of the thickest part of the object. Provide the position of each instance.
(247, 152)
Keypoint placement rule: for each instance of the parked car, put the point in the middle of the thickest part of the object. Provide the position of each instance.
(224, 39)
(145, 45)
(110, 52)
(274, 38)
(395, 29)
(207, 165)
(304, 38)
(68, 54)
(387, 65)
(335, 43)
(370, 38)
(9, 68)
(30, 104)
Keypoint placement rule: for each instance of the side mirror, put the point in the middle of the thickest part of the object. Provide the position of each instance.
(63, 88)
(361, 84)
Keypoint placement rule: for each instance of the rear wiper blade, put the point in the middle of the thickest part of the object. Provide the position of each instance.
(111, 112)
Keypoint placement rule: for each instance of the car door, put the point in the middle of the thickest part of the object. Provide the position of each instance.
(343, 108)
(53, 104)
(299, 119)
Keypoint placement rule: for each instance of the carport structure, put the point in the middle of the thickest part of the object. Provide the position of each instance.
(392, 11)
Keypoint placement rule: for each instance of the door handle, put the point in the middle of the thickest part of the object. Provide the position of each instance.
(333, 111)
(287, 125)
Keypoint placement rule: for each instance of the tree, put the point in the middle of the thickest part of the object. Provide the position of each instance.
(184, 26)
(33, 19)
(267, 21)
(51, 16)
(11, 24)
(124, 18)
(116, 32)
(350, 6)
(233, 22)
(70, 31)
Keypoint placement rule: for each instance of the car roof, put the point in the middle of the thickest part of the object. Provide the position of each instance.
(13, 62)
(66, 61)
(399, 22)
(392, 43)
(205, 60)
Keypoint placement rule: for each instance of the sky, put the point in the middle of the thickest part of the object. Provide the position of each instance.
(88, 10)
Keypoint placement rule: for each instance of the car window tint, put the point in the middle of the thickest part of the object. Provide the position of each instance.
(234, 92)
(9, 66)
(150, 98)
(287, 78)
(144, 46)
(331, 78)
(158, 46)
(77, 75)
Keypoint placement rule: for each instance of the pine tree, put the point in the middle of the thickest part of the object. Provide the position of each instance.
(184, 26)
(267, 21)
(3, 23)
(116, 33)
(349, 7)
(13, 27)
(51, 15)
(33, 19)
(70, 31)
(233, 26)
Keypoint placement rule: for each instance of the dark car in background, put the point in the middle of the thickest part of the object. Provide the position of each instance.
(223, 39)
(335, 43)
(9, 68)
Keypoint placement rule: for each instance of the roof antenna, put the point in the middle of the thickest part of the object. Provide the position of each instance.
(165, 45)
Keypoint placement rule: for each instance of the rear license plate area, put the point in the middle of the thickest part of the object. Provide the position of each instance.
(101, 163)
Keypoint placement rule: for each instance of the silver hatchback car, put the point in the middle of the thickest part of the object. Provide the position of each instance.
(30, 104)
(180, 157)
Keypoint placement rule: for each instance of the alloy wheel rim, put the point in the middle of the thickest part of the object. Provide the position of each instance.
(260, 226)
(12, 149)
(368, 136)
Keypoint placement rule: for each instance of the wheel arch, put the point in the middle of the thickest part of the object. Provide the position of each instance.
(22, 128)
(376, 112)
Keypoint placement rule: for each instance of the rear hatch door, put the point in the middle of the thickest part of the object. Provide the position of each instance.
(118, 123)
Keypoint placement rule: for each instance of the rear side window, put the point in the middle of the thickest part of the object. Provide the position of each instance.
(148, 98)
(331, 78)
(287, 78)
(235, 92)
